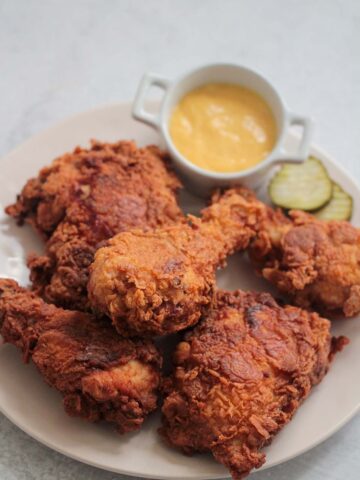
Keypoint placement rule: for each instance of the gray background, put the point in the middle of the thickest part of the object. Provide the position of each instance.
(62, 57)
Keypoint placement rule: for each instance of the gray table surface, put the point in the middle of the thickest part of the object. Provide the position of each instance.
(62, 57)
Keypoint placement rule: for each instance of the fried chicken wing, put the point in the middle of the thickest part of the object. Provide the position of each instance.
(100, 375)
(316, 263)
(160, 282)
(240, 376)
(85, 198)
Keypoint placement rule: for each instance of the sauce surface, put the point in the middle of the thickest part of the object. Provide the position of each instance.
(223, 127)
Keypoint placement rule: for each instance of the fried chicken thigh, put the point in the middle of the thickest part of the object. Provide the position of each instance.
(85, 198)
(316, 263)
(160, 282)
(100, 375)
(240, 376)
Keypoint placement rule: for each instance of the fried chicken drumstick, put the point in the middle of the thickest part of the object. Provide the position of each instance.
(240, 376)
(160, 282)
(100, 375)
(316, 263)
(86, 197)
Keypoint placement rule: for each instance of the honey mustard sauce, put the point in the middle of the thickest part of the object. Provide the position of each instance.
(223, 127)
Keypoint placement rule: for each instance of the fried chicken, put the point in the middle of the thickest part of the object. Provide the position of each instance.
(160, 282)
(85, 198)
(316, 263)
(100, 375)
(240, 376)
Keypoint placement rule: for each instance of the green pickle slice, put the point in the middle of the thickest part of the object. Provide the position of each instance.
(305, 186)
(338, 208)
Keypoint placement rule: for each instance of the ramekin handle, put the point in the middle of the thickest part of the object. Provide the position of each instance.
(279, 156)
(138, 111)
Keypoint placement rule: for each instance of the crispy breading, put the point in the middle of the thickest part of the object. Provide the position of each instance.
(83, 199)
(240, 376)
(100, 375)
(159, 282)
(316, 263)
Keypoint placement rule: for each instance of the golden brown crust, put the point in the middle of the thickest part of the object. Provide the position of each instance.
(241, 374)
(83, 199)
(100, 375)
(159, 282)
(316, 263)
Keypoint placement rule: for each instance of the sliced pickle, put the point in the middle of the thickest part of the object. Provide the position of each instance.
(339, 206)
(305, 186)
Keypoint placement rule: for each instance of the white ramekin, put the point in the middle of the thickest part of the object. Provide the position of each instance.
(202, 181)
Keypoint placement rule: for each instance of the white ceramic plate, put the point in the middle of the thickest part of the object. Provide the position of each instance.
(37, 409)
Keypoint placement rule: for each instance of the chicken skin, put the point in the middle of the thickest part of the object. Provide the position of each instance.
(240, 376)
(85, 198)
(160, 282)
(316, 263)
(100, 375)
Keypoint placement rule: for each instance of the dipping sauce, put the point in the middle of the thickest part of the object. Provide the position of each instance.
(223, 127)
